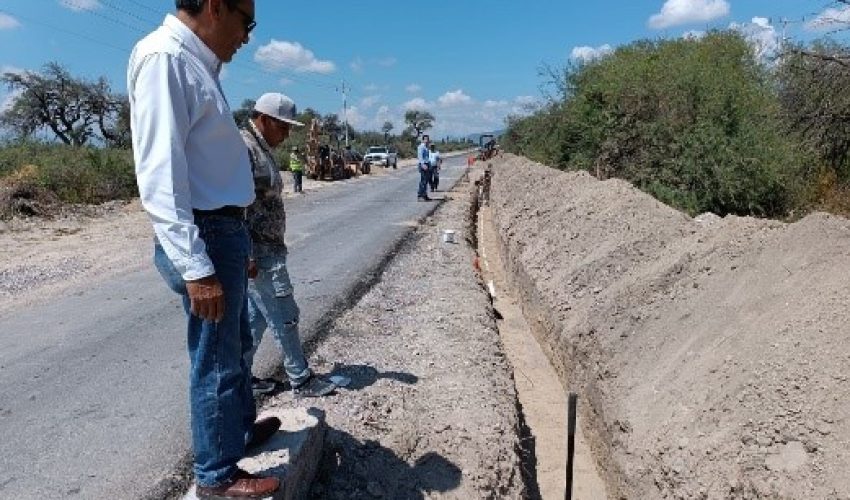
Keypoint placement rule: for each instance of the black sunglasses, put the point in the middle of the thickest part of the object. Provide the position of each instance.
(247, 20)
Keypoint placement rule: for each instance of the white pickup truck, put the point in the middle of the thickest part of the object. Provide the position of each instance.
(382, 155)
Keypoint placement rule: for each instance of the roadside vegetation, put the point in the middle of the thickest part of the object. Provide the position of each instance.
(66, 140)
(704, 125)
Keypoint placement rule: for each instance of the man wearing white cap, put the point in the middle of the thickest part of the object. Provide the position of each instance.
(270, 294)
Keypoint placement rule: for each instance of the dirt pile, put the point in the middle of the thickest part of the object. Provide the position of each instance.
(711, 354)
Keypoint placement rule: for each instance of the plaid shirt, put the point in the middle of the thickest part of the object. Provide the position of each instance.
(266, 216)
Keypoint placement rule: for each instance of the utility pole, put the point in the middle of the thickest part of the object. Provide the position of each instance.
(344, 91)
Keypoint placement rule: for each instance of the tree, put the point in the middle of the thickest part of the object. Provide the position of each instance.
(694, 122)
(76, 111)
(387, 127)
(814, 96)
(418, 121)
(308, 115)
(243, 114)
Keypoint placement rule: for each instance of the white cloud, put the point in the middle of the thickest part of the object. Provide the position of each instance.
(829, 19)
(413, 88)
(356, 65)
(464, 118)
(355, 118)
(471, 117)
(8, 22)
(387, 62)
(363, 119)
(285, 82)
(371, 88)
(8, 98)
(677, 12)
(587, 54)
(454, 98)
(277, 55)
(693, 35)
(80, 5)
(369, 101)
(416, 103)
(11, 69)
(761, 35)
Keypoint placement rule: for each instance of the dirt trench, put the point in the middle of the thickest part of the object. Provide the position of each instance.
(712, 353)
(541, 395)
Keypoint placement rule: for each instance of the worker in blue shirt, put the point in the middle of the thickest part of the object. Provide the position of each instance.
(423, 155)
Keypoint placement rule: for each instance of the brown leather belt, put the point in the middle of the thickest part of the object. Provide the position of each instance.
(231, 211)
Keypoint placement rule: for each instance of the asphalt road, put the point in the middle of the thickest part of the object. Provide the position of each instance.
(93, 387)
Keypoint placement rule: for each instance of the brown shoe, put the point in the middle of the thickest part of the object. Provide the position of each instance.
(241, 485)
(262, 430)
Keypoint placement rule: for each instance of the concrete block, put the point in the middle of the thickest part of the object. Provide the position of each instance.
(292, 454)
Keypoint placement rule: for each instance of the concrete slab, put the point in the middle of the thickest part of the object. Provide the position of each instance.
(292, 454)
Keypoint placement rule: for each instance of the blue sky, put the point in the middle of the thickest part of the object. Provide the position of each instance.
(469, 62)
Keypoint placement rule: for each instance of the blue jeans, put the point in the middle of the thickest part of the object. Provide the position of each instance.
(435, 178)
(297, 176)
(221, 403)
(271, 304)
(424, 179)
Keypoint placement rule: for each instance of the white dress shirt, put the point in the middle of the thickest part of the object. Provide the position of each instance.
(187, 148)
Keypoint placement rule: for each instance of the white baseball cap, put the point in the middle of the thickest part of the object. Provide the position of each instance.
(278, 106)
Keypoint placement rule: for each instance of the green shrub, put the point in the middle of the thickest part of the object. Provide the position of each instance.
(74, 174)
(694, 122)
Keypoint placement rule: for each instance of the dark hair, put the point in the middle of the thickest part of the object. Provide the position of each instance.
(195, 6)
(255, 114)
(424, 136)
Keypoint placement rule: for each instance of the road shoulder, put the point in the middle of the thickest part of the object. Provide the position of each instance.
(431, 411)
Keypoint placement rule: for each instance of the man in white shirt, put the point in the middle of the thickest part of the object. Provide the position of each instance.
(195, 181)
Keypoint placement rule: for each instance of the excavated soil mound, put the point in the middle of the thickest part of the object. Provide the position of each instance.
(711, 355)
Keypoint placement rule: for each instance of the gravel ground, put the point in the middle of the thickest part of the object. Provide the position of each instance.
(431, 411)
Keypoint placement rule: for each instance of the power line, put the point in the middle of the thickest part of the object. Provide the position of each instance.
(128, 13)
(144, 6)
(93, 12)
(125, 50)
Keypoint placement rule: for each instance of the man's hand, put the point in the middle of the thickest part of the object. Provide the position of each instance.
(207, 298)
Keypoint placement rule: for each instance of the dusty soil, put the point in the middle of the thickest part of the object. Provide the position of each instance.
(712, 353)
(431, 411)
(541, 395)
